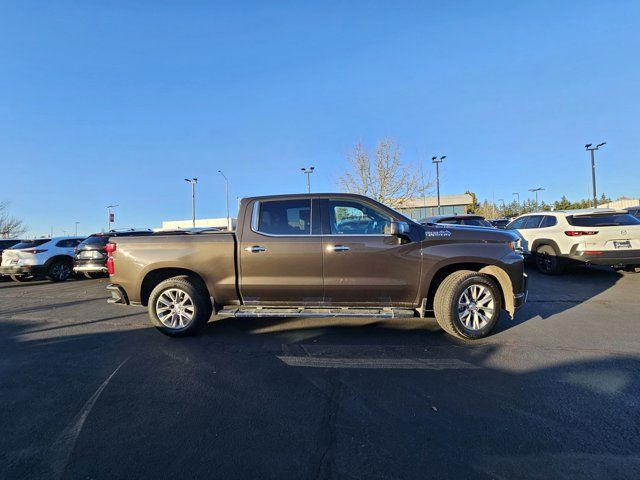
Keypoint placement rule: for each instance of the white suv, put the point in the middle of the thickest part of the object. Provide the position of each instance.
(52, 257)
(600, 236)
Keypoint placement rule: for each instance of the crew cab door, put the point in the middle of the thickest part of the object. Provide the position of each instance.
(363, 265)
(280, 257)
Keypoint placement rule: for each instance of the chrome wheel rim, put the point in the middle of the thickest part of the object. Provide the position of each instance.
(476, 307)
(175, 309)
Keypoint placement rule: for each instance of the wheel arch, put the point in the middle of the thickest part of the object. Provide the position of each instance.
(154, 277)
(505, 286)
(544, 241)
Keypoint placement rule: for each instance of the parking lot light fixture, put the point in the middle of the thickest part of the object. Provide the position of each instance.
(193, 182)
(438, 162)
(308, 172)
(517, 194)
(536, 190)
(590, 148)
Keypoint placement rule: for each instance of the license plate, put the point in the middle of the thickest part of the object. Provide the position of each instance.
(622, 244)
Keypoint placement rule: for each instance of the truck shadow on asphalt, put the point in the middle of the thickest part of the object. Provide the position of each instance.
(344, 402)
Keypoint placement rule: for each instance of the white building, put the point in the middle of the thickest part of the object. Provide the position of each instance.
(421, 207)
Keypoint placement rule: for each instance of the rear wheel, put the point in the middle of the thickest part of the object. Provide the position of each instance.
(179, 306)
(547, 261)
(467, 304)
(59, 271)
(632, 268)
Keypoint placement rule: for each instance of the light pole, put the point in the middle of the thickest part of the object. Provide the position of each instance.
(110, 216)
(593, 169)
(193, 182)
(438, 162)
(77, 228)
(503, 206)
(536, 190)
(517, 194)
(308, 172)
(226, 188)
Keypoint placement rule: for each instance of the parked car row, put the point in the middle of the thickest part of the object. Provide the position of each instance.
(58, 258)
(554, 240)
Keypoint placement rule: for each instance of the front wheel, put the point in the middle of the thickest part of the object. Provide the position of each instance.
(179, 306)
(547, 261)
(467, 304)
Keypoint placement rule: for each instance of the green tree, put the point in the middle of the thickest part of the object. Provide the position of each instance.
(473, 208)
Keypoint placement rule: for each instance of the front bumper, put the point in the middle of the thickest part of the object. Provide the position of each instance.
(519, 299)
(22, 270)
(608, 257)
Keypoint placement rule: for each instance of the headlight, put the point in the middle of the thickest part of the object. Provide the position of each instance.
(516, 246)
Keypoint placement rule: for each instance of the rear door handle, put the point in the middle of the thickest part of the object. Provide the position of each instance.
(339, 248)
(255, 249)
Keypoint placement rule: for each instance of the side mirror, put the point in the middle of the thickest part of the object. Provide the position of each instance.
(396, 228)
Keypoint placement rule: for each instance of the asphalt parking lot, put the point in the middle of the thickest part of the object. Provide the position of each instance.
(90, 390)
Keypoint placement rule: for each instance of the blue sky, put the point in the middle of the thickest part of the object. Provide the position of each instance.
(117, 102)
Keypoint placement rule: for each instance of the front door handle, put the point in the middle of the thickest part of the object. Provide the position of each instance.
(255, 249)
(339, 248)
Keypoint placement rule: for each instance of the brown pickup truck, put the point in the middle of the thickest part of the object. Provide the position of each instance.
(322, 255)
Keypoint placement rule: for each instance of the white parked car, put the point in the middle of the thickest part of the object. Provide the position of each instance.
(52, 257)
(599, 236)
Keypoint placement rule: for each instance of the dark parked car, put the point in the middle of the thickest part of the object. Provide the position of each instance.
(500, 222)
(466, 219)
(91, 258)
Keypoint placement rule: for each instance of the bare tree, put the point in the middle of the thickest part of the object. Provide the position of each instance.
(385, 179)
(10, 226)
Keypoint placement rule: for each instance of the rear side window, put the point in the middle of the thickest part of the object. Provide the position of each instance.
(600, 220)
(548, 221)
(4, 244)
(285, 217)
(68, 243)
(30, 243)
(532, 221)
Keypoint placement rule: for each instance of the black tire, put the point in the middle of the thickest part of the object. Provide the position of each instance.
(22, 278)
(446, 304)
(631, 268)
(547, 262)
(59, 271)
(200, 306)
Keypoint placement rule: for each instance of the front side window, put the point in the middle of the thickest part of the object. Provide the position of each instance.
(285, 217)
(532, 221)
(517, 223)
(347, 217)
